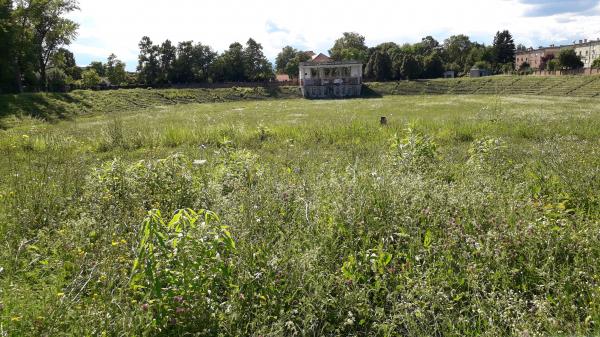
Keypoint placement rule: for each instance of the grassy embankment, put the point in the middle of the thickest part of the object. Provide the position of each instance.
(467, 215)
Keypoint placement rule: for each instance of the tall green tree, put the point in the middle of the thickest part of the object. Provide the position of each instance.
(8, 65)
(148, 62)
(379, 66)
(65, 60)
(256, 65)
(168, 55)
(293, 67)
(99, 67)
(115, 70)
(427, 46)
(193, 63)
(288, 61)
(411, 67)
(351, 46)
(43, 22)
(287, 54)
(233, 63)
(504, 48)
(456, 49)
(433, 66)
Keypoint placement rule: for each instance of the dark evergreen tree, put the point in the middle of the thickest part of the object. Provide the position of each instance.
(504, 48)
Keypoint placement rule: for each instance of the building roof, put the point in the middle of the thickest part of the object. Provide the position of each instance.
(324, 60)
(321, 58)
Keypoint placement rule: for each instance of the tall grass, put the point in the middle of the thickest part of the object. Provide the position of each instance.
(470, 215)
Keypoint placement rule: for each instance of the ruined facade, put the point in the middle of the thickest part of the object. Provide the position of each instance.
(324, 78)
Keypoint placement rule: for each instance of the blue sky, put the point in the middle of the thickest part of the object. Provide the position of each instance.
(116, 26)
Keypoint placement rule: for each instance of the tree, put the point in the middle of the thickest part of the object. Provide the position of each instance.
(57, 80)
(292, 69)
(553, 65)
(351, 46)
(504, 48)
(8, 71)
(411, 67)
(569, 59)
(90, 78)
(288, 61)
(115, 70)
(457, 48)
(427, 46)
(233, 63)
(98, 67)
(433, 66)
(193, 63)
(287, 54)
(257, 67)
(168, 55)
(65, 60)
(596, 64)
(148, 62)
(379, 66)
(43, 21)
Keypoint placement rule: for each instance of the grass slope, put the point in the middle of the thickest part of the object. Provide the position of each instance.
(51, 107)
(577, 86)
(467, 215)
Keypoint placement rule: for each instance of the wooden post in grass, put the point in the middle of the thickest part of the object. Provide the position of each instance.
(383, 121)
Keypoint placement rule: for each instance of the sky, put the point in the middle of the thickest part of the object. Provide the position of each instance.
(116, 26)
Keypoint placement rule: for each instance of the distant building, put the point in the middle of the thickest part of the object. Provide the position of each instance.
(450, 74)
(476, 72)
(283, 78)
(533, 57)
(322, 77)
(588, 51)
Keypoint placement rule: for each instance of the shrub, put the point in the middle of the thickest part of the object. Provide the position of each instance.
(90, 78)
(183, 271)
(415, 150)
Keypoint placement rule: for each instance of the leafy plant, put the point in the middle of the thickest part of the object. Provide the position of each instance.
(183, 271)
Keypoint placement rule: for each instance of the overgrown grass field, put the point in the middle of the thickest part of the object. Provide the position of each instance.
(465, 215)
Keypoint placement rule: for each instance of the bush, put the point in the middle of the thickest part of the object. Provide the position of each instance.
(184, 271)
(57, 80)
(90, 79)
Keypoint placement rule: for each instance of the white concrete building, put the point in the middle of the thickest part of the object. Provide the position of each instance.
(324, 78)
(588, 51)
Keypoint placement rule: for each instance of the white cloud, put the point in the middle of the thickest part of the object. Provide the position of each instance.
(117, 25)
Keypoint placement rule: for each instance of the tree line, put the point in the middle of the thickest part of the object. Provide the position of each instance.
(190, 62)
(426, 59)
(32, 36)
(35, 34)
